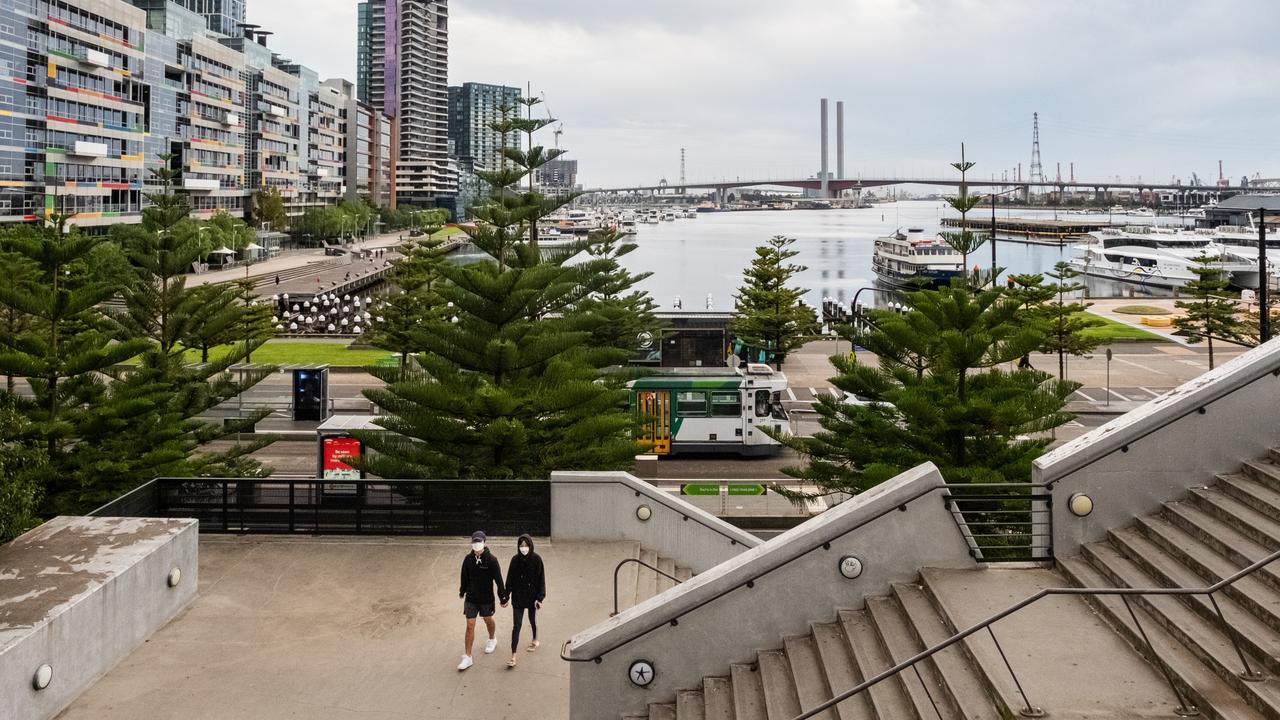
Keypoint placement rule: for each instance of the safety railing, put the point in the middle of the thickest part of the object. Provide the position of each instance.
(1031, 542)
(642, 563)
(364, 507)
(1029, 710)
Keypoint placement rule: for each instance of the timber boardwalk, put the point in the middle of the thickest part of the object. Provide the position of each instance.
(1042, 230)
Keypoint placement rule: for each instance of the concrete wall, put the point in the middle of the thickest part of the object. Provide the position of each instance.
(802, 585)
(602, 506)
(1136, 462)
(79, 594)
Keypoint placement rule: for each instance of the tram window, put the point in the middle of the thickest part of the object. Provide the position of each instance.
(691, 404)
(762, 403)
(725, 404)
(776, 407)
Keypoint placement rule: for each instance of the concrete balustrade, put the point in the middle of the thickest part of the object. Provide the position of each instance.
(608, 506)
(901, 526)
(77, 595)
(1157, 452)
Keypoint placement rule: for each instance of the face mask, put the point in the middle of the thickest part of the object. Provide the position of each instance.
(477, 546)
(524, 549)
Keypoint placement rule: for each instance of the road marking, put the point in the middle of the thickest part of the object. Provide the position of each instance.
(791, 395)
(835, 392)
(1113, 392)
(1073, 424)
(1150, 392)
(1086, 397)
(1140, 365)
(813, 393)
(1193, 363)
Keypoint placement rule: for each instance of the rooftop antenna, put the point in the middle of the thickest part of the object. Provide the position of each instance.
(1037, 172)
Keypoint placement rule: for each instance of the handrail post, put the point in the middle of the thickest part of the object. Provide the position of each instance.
(1248, 673)
(1184, 709)
(1028, 710)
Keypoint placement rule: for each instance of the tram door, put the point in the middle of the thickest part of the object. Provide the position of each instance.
(654, 407)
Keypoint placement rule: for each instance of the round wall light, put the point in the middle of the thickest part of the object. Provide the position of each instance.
(850, 567)
(644, 512)
(175, 577)
(641, 673)
(42, 678)
(1080, 504)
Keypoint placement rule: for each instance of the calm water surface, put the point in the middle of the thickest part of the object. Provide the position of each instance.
(694, 258)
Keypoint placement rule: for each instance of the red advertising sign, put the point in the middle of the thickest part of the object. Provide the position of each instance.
(336, 451)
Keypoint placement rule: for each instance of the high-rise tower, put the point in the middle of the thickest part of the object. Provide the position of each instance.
(404, 73)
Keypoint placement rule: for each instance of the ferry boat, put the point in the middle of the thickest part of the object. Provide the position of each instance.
(1159, 257)
(912, 260)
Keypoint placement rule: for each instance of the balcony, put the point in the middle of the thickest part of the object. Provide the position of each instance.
(199, 184)
(231, 120)
(97, 58)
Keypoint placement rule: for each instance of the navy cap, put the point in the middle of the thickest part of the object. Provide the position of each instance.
(478, 536)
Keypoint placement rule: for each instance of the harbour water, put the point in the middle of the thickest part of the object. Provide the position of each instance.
(694, 258)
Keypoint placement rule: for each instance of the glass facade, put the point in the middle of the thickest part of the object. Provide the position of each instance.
(473, 108)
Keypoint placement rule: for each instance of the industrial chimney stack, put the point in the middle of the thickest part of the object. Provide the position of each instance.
(822, 176)
(839, 139)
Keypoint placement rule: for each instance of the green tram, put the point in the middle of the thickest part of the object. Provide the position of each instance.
(711, 410)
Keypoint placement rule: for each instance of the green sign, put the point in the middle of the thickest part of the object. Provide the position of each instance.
(700, 489)
(746, 489)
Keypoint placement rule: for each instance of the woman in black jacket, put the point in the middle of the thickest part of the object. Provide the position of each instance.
(527, 585)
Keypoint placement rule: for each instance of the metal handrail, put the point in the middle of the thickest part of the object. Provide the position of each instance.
(637, 561)
(825, 545)
(1029, 710)
(661, 497)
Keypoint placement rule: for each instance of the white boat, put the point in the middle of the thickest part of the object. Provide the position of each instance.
(690, 213)
(1117, 210)
(1159, 257)
(913, 259)
(652, 217)
(668, 216)
(627, 224)
(1142, 212)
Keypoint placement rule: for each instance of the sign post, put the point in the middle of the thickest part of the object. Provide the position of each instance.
(1108, 377)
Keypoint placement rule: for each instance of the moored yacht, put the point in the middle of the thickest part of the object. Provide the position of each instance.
(1159, 257)
(912, 259)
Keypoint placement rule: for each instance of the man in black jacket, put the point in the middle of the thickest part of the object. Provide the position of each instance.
(480, 571)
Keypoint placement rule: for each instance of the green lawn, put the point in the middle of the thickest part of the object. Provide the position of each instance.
(1113, 331)
(443, 233)
(302, 352)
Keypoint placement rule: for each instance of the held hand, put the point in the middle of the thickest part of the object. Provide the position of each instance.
(504, 603)
(537, 604)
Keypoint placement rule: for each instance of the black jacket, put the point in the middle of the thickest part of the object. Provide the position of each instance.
(526, 580)
(479, 576)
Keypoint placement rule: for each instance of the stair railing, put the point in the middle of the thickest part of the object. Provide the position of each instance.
(1185, 708)
(948, 498)
(637, 561)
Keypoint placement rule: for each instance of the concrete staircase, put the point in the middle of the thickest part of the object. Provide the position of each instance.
(1195, 542)
(837, 655)
(637, 583)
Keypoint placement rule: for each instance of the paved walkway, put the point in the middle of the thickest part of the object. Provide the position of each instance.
(348, 628)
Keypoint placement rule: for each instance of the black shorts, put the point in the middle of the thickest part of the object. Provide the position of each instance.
(471, 610)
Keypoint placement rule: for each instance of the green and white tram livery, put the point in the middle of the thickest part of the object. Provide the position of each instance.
(708, 410)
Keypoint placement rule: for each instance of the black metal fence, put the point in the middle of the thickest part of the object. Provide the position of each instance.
(139, 502)
(369, 507)
(1004, 522)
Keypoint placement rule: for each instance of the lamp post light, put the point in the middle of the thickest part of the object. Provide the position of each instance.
(993, 232)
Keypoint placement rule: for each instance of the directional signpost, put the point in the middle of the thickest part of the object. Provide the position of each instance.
(700, 489)
(740, 489)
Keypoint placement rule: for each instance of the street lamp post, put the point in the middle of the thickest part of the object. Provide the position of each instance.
(1264, 279)
(993, 232)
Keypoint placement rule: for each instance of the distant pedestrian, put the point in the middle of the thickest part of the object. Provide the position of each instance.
(481, 570)
(277, 279)
(527, 584)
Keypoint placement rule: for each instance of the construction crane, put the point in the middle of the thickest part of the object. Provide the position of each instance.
(559, 126)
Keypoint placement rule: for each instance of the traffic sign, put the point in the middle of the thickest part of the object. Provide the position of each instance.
(741, 489)
(700, 489)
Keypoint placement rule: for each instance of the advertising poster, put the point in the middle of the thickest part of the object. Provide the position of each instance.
(337, 450)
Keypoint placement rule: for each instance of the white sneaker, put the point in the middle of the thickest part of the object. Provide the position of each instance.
(490, 646)
(466, 662)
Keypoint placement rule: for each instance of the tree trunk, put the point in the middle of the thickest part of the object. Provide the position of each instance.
(1210, 352)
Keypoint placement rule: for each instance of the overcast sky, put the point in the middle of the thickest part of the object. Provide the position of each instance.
(1144, 88)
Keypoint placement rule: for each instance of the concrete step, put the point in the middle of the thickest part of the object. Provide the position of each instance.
(748, 693)
(647, 583)
(966, 689)
(923, 686)
(668, 567)
(662, 711)
(1203, 688)
(1265, 471)
(1205, 567)
(836, 657)
(635, 716)
(717, 698)
(1196, 634)
(683, 573)
(888, 697)
(1252, 493)
(1247, 521)
(780, 699)
(690, 705)
(1224, 539)
(806, 671)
